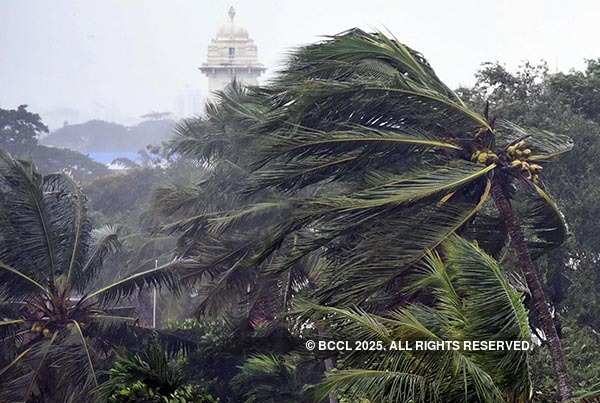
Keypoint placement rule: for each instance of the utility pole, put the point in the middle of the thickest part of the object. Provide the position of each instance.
(154, 300)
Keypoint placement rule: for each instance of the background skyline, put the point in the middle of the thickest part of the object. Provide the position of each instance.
(117, 60)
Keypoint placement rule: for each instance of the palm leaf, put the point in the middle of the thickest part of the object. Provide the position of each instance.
(66, 205)
(106, 242)
(16, 277)
(29, 243)
(84, 346)
(162, 276)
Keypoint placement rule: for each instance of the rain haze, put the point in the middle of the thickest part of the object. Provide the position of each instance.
(116, 60)
(309, 201)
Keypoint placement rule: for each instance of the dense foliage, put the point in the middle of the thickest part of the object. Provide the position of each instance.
(150, 377)
(380, 162)
(562, 102)
(56, 328)
(354, 197)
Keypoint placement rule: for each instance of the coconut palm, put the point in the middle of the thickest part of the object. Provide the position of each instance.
(54, 329)
(228, 282)
(471, 299)
(223, 149)
(400, 164)
(150, 376)
(269, 379)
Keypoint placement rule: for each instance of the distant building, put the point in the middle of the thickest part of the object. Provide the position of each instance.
(231, 55)
(189, 102)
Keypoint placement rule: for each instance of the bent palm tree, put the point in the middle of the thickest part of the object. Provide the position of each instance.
(53, 328)
(221, 144)
(412, 165)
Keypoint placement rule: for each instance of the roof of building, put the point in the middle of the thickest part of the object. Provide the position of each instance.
(230, 30)
(232, 48)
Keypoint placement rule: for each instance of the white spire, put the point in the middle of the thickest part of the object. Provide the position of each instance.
(231, 13)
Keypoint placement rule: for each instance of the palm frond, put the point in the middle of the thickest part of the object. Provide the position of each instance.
(85, 348)
(105, 242)
(305, 157)
(28, 244)
(341, 66)
(13, 277)
(66, 206)
(396, 190)
(164, 276)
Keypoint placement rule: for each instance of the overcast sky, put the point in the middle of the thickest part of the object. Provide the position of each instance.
(118, 59)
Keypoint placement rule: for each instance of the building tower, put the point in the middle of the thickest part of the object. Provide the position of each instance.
(231, 55)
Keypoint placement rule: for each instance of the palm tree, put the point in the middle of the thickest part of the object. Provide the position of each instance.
(400, 164)
(220, 144)
(471, 299)
(54, 329)
(270, 379)
(223, 147)
(151, 376)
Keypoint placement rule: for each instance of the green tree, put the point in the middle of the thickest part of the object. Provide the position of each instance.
(223, 347)
(271, 379)
(470, 299)
(152, 376)
(533, 96)
(54, 328)
(222, 149)
(20, 128)
(413, 165)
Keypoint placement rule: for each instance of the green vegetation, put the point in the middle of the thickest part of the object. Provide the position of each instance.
(151, 376)
(354, 197)
(55, 328)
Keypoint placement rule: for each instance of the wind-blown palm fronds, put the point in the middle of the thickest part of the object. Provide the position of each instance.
(471, 300)
(53, 327)
(375, 160)
(329, 103)
(382, 162)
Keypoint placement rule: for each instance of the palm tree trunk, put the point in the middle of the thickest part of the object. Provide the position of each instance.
(329, 365)
(519, 245)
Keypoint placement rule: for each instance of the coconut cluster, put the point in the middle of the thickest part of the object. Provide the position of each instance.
(519, 156)
(40, 328)
(484, 157)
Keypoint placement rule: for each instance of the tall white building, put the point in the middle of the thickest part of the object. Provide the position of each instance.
(231, 54)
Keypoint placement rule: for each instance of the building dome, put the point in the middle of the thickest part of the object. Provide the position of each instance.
(231, 31)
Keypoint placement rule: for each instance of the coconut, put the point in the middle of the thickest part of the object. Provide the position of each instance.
(535, 168)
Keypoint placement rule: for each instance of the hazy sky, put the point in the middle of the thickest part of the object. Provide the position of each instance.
(118, 59)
